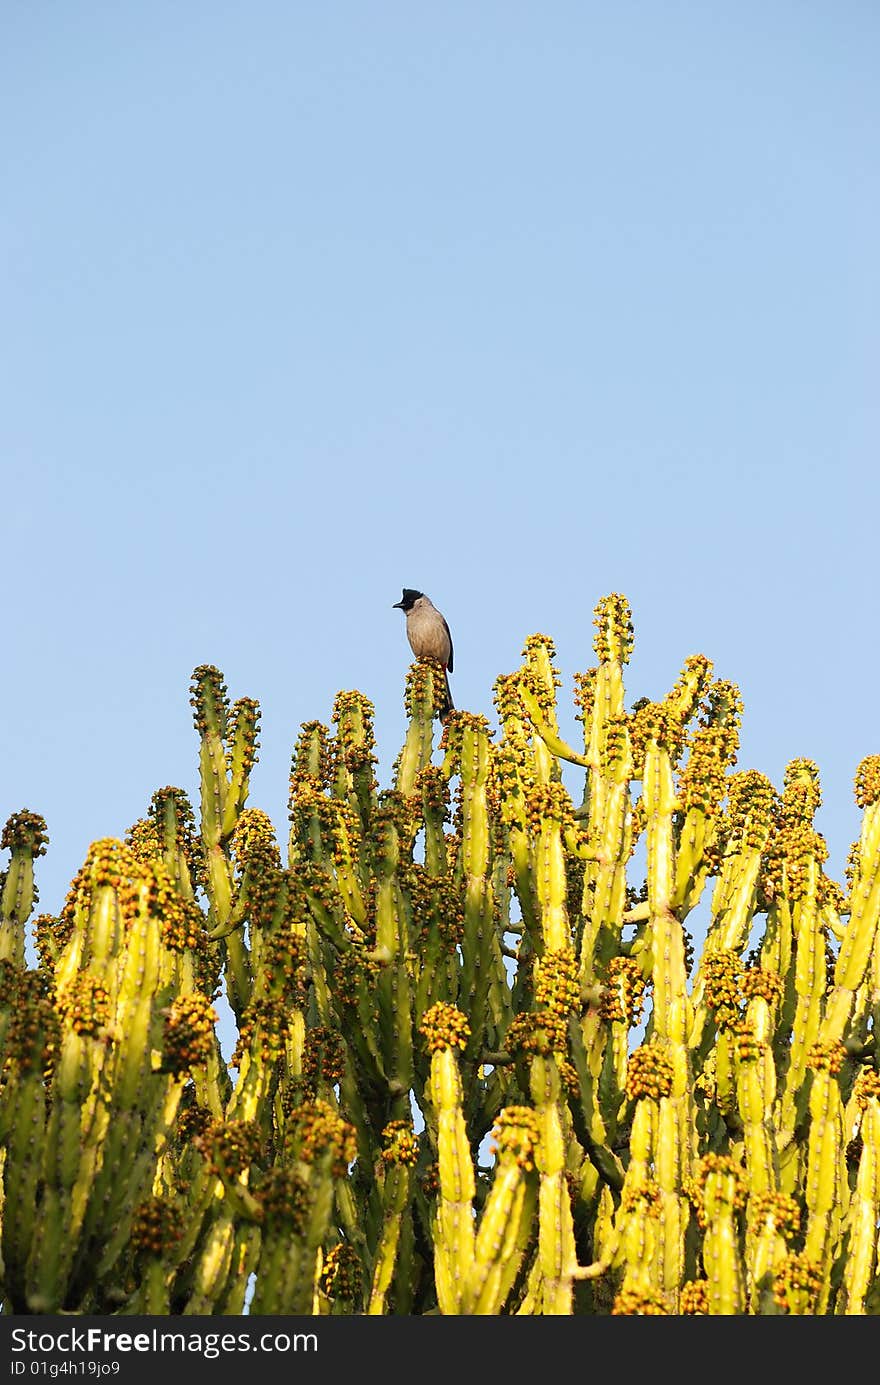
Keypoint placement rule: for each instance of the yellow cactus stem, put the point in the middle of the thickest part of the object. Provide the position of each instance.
(861, 1264)
(242, 741)
(156, 1228)
(327, 830)
(536, 686)
(471, 750)
(860, 935)
(24, 836)
(507, 1218)
(210, 703)
(649, 1078)
(613, 646)
(31, 1050)
(283, 1198)
(671, 1003)
(609, 836)
(394, 996)
(826, 1187)
(756, 1094)
(354, 779)
(600, 696)
(672, 1012)
(172, 817)
(425, 690)
(228, 738)
(763, 992)
(319, 1149)
(84, 1008)
(446, 1029)
(701, 788)
(774, 1222)
(513, 775)
(432, 788)
(213, 1265)
(400, 1154)
(138, 1104)
(637, 1232)
(721, 1195)
(549, 810)
(91, 917)
(262, 1042)
(745, 833)
(557, 1256)
(802, 851)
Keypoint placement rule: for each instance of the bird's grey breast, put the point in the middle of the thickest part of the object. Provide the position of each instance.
(427, 633)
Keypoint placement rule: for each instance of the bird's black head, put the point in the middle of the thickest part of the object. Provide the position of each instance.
(410, 598)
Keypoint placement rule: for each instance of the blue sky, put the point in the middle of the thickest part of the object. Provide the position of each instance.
(517, 304)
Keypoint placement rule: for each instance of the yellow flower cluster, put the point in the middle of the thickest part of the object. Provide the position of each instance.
(648, 1074)
(84, 1004)
(399, 1144)
(516, 1134)
(444, 1027)
(156, 1226)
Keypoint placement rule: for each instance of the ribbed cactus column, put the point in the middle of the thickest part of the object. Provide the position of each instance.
(319, 1150)
(801, 852)
(470, 752)
(399, 1157)
(515, 774)
(229, 1148)
(636, 1245)
(557, 1255)
(228, 739)
(138, 1102)
(859, 941)
(25, 836)
(756, 1079)
(446, 1029)
(424, 694)
(31, 1042)
(507, 1218)
(774, 1225)
(672, 1012)
(720, 1194)
(826, 1188)
(354, 778)
(84, 1008)
(394, 988)
(536, 687)
(861, 1265)
(109, 989)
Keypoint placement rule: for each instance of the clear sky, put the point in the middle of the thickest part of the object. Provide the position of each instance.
(518, 304)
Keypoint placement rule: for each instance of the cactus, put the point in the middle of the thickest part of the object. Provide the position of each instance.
(480, 1067)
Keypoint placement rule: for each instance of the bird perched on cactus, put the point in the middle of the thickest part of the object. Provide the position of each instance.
(429, 637)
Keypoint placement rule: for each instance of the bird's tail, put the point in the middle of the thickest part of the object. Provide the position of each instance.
(448, 704)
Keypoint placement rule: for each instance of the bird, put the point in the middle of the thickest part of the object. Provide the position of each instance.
(428, 636)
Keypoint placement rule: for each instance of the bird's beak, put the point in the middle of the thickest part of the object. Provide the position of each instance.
(398, 606)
